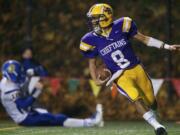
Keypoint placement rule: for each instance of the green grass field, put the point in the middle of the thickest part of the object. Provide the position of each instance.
(110, 128)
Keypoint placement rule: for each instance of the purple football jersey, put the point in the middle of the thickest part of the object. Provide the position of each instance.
(115, 50)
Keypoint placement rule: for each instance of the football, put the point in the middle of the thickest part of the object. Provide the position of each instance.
(103, 73)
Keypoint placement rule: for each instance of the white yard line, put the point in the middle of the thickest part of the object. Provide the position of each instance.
(9, 128)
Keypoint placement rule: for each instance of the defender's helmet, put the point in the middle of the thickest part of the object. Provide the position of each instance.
(100, 16)
(14, 71)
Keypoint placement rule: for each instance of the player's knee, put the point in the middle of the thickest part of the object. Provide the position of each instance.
(134, 96)
(131, 93)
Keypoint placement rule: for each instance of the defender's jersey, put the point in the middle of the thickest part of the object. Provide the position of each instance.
(115, 50)
(9, 93)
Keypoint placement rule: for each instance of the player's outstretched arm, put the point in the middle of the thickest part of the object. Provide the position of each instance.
(152, 42)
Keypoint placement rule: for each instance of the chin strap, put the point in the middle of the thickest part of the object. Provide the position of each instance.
(155, 43)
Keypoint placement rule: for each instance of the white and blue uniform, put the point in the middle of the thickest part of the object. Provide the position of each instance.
(9, 94)
(17, 107)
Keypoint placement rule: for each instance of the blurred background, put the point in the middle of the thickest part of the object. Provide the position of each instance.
(52, 29)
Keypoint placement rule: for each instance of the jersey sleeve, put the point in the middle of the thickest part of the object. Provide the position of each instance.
(24, 103)
(129, 27)
(87, 48)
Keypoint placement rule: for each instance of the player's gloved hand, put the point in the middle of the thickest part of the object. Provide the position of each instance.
(37, 90)
(30, 72)
(103, 75)
(39, 85)
(172, 47)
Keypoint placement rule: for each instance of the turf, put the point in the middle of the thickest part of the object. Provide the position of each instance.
(110, 128)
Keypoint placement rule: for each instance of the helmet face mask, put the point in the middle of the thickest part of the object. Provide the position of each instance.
(100, 17)
(94, 23)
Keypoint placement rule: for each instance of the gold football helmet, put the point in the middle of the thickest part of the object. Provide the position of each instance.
(100, 16)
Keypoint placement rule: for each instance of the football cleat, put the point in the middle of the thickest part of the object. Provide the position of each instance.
(161, 131)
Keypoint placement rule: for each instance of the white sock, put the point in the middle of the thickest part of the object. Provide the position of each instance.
(151, 119)
(71, 122)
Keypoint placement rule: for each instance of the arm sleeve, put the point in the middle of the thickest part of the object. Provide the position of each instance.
(24, 103)
(129, 27)
(88, 51)
(90, 54)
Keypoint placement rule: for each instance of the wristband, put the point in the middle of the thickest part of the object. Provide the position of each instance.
(155, 43)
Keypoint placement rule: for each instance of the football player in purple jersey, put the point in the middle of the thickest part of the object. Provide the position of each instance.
(110, 40)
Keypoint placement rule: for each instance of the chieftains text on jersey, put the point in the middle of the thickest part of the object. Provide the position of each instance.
(113, 46)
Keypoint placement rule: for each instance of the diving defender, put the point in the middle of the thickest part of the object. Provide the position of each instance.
(19, 107)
